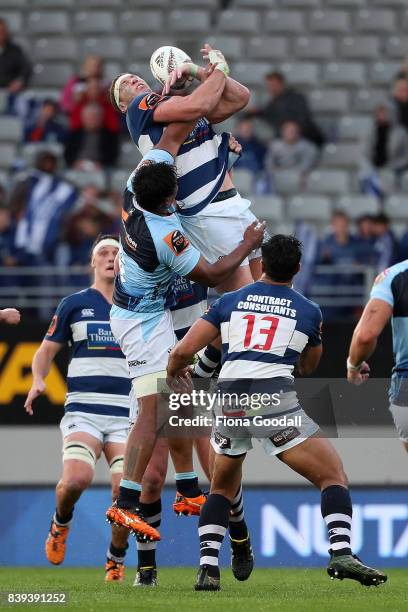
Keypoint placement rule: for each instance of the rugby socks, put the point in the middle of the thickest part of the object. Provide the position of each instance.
(63, 520)
(337, 512)
(116, 554)
(146, 551)
(212, 526)
(187, 484)
(208, 362)
(129, 494)
(237, 527)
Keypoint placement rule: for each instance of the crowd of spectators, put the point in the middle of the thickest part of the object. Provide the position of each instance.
(46, 220)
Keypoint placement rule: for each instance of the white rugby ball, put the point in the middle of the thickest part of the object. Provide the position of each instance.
(166, 59)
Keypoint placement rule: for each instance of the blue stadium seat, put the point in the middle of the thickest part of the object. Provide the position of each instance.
(396, 206)
(342, 155)
(369, 20)
(231, 46)
(267, 208)
(330, 100)
(94, 22)
(286, 182)
(330, 182)
(359, 47)
(344, 73)
(143, 21)
(250, 73)
(255, 3)
(101, 4)
(301, 3)
(366, 100)
(50, 3)
(106, 46)
(396, 47)
(329, 21)
(239, 21)
(7, 155)
(404, 182)
(129, 156)
(301, 73)
(189, 21)
(354, 127)
(83, 179)
(52, 74)
(243, 181)
(143, 47)
(283, 21)
(346, 3)
(118, 180)
(268, 47)
(11, 129)
(357, 205)
(56, 48)
(314, 47)
(383, 73)
(310, 207)
(48, 22)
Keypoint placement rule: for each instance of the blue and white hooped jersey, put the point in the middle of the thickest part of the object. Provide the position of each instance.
(97, 380)
(202, 161)
(191, 303)
(391, 286)
(264, 328)
(153, 251)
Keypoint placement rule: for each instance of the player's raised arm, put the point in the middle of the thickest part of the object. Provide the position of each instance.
(41, 365)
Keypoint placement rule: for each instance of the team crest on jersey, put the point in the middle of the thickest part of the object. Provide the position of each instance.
(176, 241)
(150, 101)
(379, 279)
(87, 312)
(53, 325)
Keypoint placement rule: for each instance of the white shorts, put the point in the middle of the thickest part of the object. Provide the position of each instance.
(146, 350)
(219, 228)
(103, 428)
(233, 441)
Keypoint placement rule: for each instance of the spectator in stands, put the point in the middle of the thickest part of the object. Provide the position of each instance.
(400, 101)
(91, 68)
(385, 244)
(365, 234)
(339, 248)
(253, 154)
(287, 104)
(39, 203)
(45, 127)
(92, 146)
(6, 237)
(291, 152)
(15, 68)
(95, 92)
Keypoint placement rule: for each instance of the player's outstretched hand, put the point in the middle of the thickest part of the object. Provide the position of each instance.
(234, 145)
(36, 390)
(215, 56)
(10, 315)
(181, 381)
(254, 233)
(177, 78)
(358, 377)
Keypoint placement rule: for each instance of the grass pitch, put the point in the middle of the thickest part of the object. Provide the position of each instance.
(275, 589)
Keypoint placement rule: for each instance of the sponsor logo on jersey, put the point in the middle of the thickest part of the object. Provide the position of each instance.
(176, 242)
(88, 312)
(379, 279)
(100, 336)
(136, 363)
(284, 436)
(150, 101)
(53, 325)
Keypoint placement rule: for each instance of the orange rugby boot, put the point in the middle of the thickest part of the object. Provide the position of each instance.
(132, 520)
(189, 506)
(114, 572)
(55, 544)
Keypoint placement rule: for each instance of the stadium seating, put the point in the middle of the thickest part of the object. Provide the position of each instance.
(313, 208)
(268, 208)
(357, 205)
(396, 207)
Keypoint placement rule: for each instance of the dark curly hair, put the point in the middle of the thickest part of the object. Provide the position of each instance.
(281, 256)
(153, 184)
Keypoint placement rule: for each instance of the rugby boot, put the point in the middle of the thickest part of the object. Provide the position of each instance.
(132, 520)
(146, 577)
(205, 582)
(242, 558)
(114, 571)
(55, 544)
(189, 506)
(350, 566)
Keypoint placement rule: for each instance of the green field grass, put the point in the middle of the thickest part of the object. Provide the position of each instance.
(276, 589)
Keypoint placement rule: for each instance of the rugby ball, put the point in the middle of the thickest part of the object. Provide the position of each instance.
(166, 59)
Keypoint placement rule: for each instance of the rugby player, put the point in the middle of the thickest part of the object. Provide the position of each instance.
(207, 199)
(97, 401)
(388, 300)
(153, 250)
(267, 330)
(11, 316)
